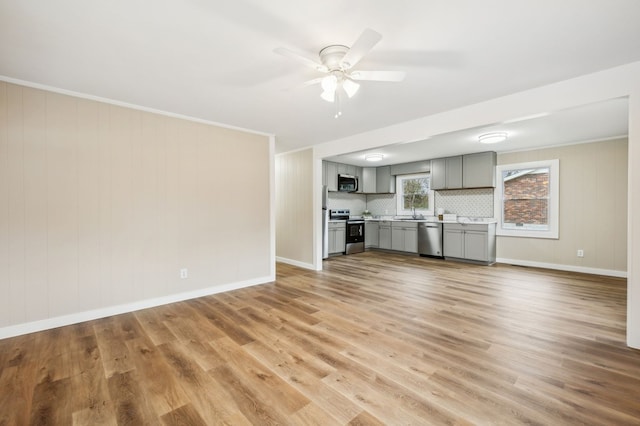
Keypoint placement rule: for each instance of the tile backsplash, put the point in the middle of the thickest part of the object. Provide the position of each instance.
(463, 202)
(382, 204)
(466, 202)
(356, 203)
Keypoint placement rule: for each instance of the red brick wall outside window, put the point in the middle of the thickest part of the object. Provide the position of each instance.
(526, 199)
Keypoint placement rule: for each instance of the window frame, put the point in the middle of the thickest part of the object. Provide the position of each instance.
(554, 200)
(400, 211)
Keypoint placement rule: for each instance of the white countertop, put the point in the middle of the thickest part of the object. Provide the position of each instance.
(461, 219)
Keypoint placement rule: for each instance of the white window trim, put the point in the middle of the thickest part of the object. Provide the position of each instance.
(400, 211)
(554, 200)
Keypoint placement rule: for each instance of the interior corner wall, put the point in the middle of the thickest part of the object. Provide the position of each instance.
(294, 208)
(101, 206)
(593, 210)
(633, 282)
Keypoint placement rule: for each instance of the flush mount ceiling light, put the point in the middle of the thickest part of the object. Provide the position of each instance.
(374, 157)
(493, 137)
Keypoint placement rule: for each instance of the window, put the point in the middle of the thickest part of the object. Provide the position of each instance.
(414, 195)
(526, 199)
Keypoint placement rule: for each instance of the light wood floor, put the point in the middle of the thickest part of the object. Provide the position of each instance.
(375, 338)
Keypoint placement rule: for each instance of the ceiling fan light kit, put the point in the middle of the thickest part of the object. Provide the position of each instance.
(337, 61)
(493, 137)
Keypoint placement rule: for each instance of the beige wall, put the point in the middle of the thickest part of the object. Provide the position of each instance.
(294, 208)
(593, 208)
(101, 205)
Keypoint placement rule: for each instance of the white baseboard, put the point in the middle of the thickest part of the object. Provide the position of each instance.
(295, 263)
(49, 323)
(570, 268)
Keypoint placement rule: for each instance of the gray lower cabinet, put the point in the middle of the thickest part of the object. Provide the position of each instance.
(452, 242)
(404, 236)
(371, 234)
(475, 242)
(337, 237)
(384, 233)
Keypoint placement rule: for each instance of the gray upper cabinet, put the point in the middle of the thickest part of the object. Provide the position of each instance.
(454, 172)
(385, 182)
(446, 173)
(324, 172)
(464, 171)
(479, 170)
(332, 176)
(358, 174)
(410, 168)
(331, 170)
(368, 181)
(438, 173)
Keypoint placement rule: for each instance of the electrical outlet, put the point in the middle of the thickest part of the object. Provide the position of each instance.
(184, 273)
(580, 253)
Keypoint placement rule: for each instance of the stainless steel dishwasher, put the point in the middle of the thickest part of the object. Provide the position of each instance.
(430, 239)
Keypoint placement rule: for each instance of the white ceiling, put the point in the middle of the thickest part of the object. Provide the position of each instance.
(599, 121)
(214, 59)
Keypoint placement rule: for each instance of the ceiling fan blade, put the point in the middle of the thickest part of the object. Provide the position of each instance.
(312, 82)
(304, 84)
(378, 75)
(361, 47)
(300, 58)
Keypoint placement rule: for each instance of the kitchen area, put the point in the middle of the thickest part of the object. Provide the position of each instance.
(362, 210)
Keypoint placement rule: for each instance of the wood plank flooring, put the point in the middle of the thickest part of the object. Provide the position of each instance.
(375, 338)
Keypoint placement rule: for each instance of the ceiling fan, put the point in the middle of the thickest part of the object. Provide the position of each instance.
(337, 61)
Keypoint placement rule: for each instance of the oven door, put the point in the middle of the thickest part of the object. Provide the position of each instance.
(355, 232)
(355, 237)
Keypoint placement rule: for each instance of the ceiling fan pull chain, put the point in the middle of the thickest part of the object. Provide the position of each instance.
(338, 109)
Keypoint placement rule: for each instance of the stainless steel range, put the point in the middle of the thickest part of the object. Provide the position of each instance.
(354, 239)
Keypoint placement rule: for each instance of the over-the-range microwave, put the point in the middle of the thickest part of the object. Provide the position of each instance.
(347, 183)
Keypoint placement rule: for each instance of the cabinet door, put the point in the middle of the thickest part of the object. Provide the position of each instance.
(385, 183)
(438, 173)
(454, 172)
(332, 176)
(453, 243)
(332, 240)
(358, 174)
(341, 235)
(371, 234)
(385, 237)
(476, 245)
(324, 172)
(479, 170)
(411, 240)
(368, 182)
(397, 239)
